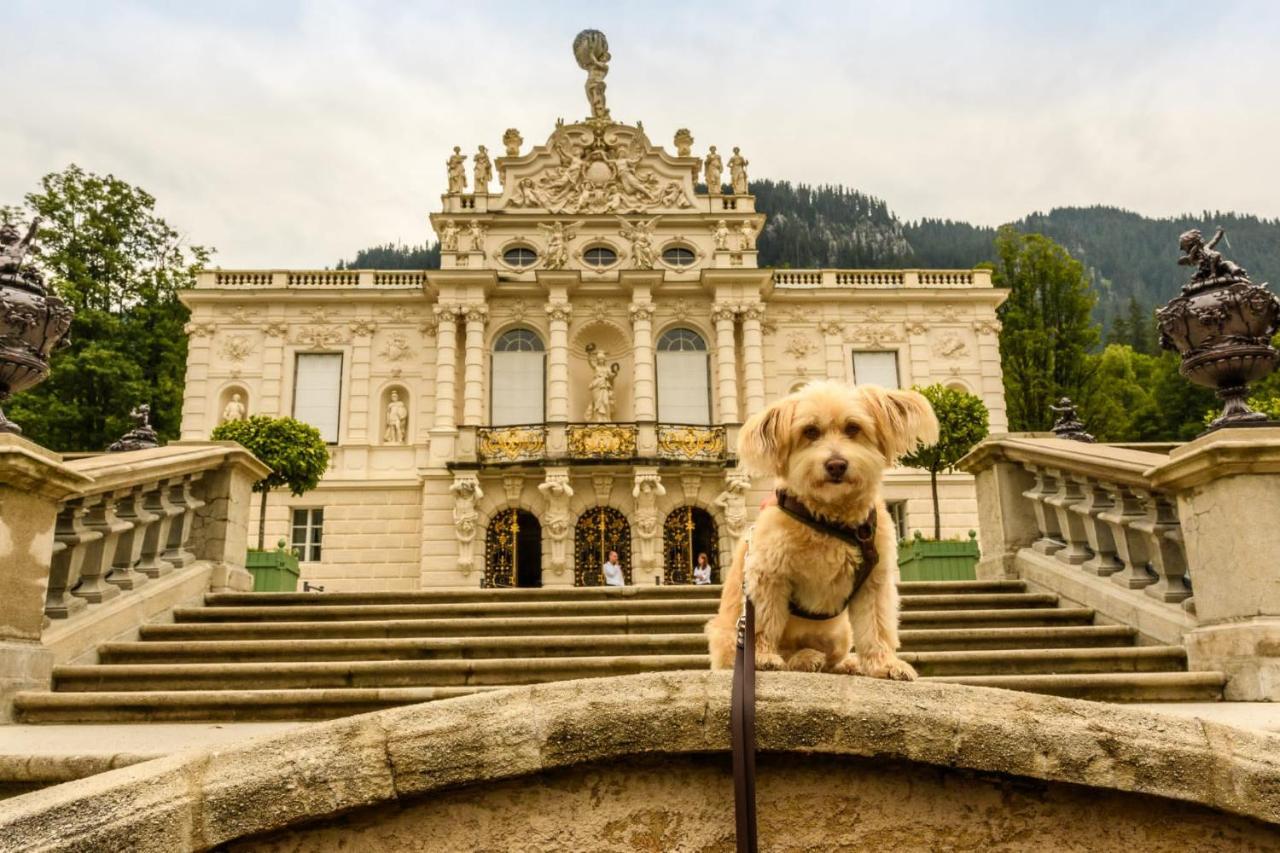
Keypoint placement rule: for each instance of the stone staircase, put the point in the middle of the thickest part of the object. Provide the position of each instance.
(245, 656)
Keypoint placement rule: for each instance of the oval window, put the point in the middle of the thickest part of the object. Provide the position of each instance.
(678, 256)
(600, 256)
(519, 256)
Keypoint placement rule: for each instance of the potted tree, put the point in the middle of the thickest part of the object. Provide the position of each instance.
(962, 423)
(298, 457)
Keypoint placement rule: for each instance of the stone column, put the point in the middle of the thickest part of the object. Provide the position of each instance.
(558, 314)
(446, 365)
(727, 362)
(1228, 490)
(644, 386)
(473, 366)
(753, 357)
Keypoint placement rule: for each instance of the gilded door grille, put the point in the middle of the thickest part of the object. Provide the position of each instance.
(500, 549)
(599, 531)
(687, 531)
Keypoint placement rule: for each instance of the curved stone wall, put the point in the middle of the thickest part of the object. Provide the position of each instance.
(632, 763)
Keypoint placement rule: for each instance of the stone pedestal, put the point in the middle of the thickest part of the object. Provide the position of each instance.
(1228, 487)
(1005, 523)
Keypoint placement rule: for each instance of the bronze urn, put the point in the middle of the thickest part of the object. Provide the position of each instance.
(32, 322)
(1222, 325)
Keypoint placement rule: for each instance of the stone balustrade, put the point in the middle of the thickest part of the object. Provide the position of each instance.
(1159, 527)
(879, 279)
(538, 443)
(78, 536)
(311, 279)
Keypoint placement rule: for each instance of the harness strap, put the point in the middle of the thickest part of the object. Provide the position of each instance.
(742, 727)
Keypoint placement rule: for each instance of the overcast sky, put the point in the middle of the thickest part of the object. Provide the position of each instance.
(292, 134)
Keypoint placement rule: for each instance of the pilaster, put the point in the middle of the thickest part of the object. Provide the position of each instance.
(558, 314)
(753, 356)
(473, 366)
(722, 314)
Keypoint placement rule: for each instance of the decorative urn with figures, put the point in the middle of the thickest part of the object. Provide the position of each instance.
(32, 322)
(1222, 325)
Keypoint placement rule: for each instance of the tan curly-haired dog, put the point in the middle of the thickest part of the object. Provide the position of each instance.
(828, 445)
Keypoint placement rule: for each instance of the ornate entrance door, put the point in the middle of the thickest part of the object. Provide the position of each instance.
(513, 550)
(599, 531)
(688, 532)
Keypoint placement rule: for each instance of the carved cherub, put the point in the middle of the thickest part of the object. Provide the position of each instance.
(13, 250)
(449, 236)
(476, 234)
(1209, 264)
(720, 233)
(747, 231)
(673, 196)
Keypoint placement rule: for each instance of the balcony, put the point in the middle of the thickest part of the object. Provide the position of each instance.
(609, 443)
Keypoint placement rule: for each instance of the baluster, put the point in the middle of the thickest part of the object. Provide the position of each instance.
(1130, 544)
(1169, 556)
(176, 553)
(1138, 576)
(1050, 540)
(1101, 542)
(129, 548)
(64, 573)
(156, 538)
(1069, 523)
(99, 554)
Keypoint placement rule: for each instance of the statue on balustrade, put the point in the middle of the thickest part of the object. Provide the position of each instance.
(1068, 425)
(684, 142)
(738, 172)
(449, 236)
(457, 171)
(603, 374)
(511, 141)
(234, 410)
(141, 437)
(713, 168)
(397, 417)
(720, 233)
(476, 234)
(747, 231)
(482, 168)
(1209, 264)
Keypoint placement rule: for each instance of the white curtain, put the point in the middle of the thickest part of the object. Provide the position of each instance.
(683, 388)
(875, 368)
(317, 392)
(518, 388)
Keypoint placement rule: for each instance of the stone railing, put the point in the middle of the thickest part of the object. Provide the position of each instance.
(691, 443)
(880, 279)
(78, 536)
(1113, 527)
(311, 279)
(582, 442)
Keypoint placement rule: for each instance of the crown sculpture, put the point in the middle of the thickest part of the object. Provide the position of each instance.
(32, 323)
(1222, 325)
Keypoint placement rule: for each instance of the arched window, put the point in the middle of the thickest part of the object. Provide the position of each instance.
(517, 387)
(684, 378)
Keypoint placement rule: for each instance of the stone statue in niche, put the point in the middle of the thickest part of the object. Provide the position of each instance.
(747, 233)
(603, 374)
(648, 488)
(449, 236)
(733, 501)
(476, 234)
(720, 233)
(512, 140)
(591, 49)
(738, 172)
(234, 410)
(640, 235)
(466, 492)
(483, 170)
(397, 418)
(458, 171)
(558, 236)
(713, 168)
(684, 142)
(557, 491)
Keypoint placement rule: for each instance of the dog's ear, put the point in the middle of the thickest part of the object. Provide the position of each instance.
(904, 420)
(765, 439)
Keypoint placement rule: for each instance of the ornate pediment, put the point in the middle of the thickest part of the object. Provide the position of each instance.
(597, 166)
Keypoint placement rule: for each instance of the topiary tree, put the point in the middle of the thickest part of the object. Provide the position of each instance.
(295, 452)
(962, 423)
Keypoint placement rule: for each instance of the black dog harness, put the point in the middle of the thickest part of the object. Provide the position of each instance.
(862, 537)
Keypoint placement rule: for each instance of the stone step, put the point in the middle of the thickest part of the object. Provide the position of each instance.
(310, 612)
(510, 671)
(245, 705)
(596, 593)
(437, 648)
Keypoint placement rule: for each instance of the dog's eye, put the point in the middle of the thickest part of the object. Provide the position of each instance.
(811, 433)
(852, 430)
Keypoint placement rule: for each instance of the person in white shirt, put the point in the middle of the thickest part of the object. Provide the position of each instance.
(702, 570)
(613, 571)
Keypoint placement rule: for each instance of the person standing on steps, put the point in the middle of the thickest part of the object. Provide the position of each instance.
(613, 571)
(702, 570)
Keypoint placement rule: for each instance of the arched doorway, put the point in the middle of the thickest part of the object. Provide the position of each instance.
(687, 532)
(513, 550)
(599, 531)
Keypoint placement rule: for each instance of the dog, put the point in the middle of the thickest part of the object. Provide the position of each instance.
(828, 446)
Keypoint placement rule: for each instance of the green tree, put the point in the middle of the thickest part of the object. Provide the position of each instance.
(962, 423)
(1120, 390)
(294, 451)
(1047, 332)
(120, 266)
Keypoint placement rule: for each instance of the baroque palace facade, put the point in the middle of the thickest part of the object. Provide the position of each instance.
(571, 381)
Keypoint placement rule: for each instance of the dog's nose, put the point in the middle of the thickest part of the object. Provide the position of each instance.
(836, 467)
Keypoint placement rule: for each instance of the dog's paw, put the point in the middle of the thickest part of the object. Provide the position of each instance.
(806, 660)
(888, 666)
(769, 662)
(848, 666)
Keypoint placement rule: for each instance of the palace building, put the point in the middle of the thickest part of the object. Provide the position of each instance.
(571, 380)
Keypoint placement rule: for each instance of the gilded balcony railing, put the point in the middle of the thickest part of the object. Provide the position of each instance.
(601, 441)
(524, 443)
(691, 443)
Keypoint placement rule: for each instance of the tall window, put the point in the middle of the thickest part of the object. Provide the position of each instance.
(684, 378)
(317, 392)
(876, 368)
(517, 388)
(308, 533)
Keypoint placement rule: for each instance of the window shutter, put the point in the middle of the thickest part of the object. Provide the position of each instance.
(317, 392)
